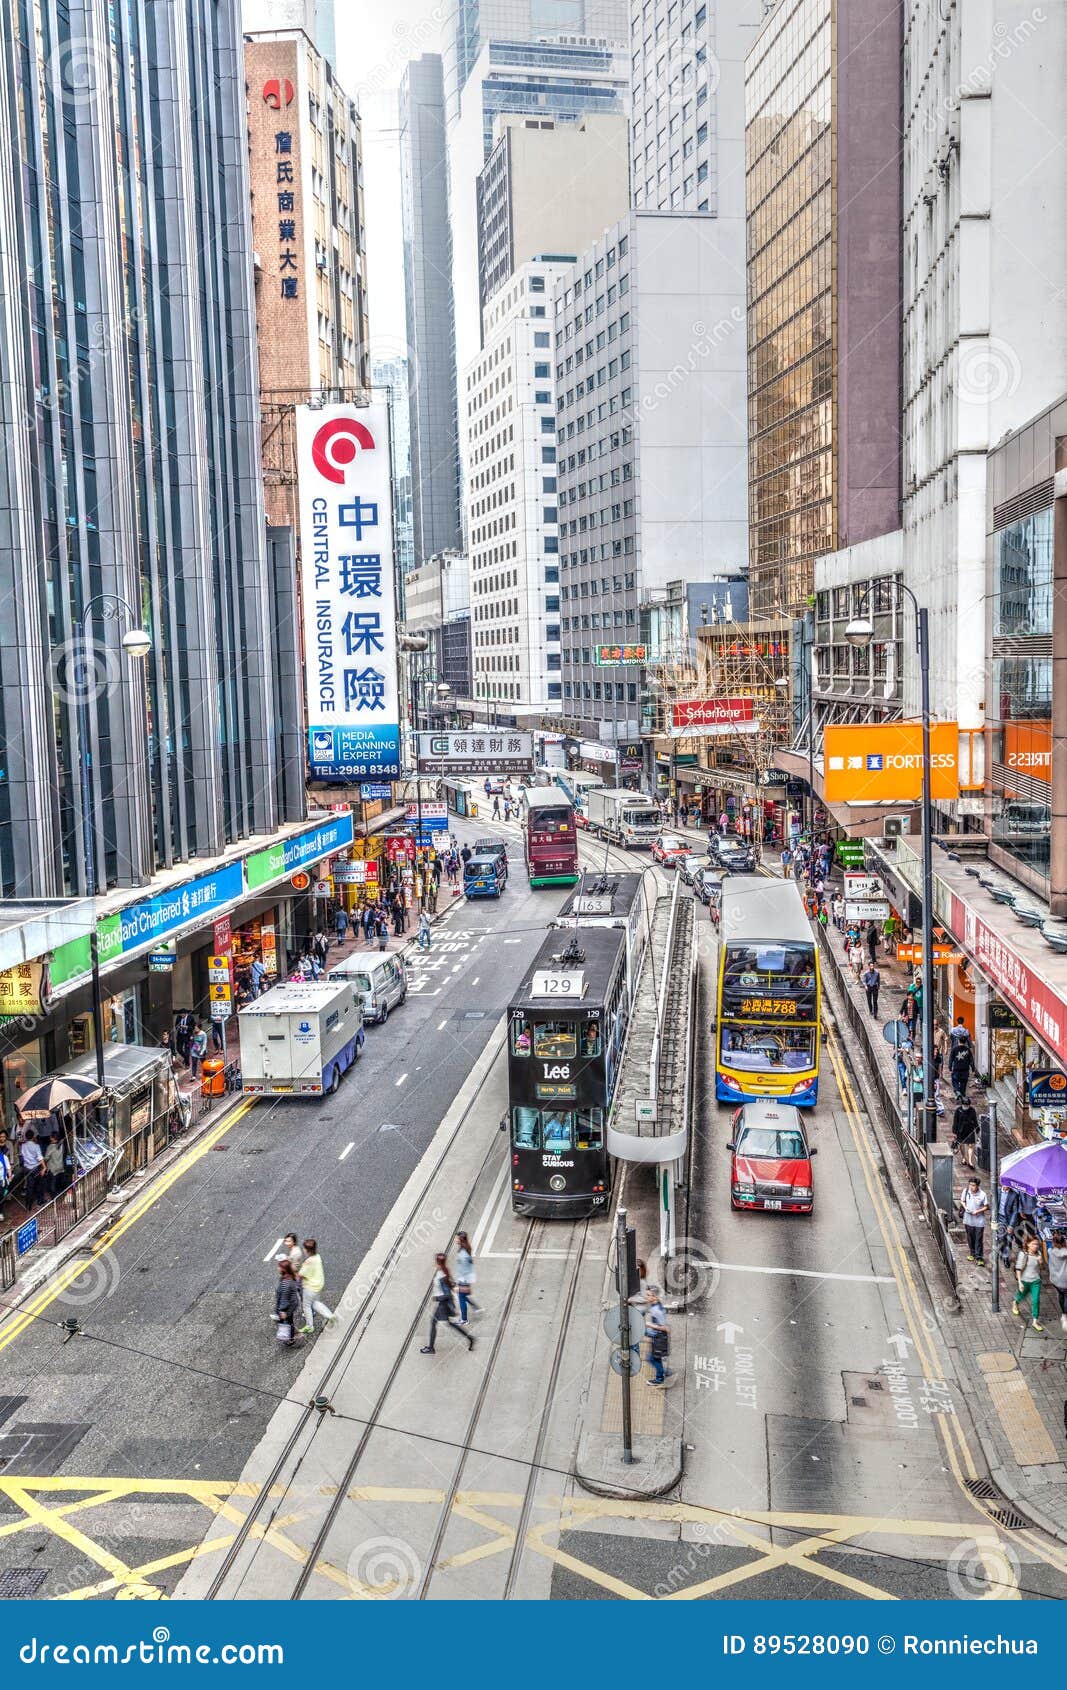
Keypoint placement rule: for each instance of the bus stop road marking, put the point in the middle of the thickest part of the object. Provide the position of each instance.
(805, 1273)
(347, 1151)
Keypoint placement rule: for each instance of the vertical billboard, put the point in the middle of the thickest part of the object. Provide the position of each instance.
(349, 600)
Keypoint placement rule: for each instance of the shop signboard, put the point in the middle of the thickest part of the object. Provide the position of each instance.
(375, 791)
(400, 848)
(867, 762)
(849, 852)
(1028, 751)
(619, 656)
(494, 753)
(140, 926)
(26, 990)
(1002, 1016)
(1047, 1087)
(1040, 1007)
(268, 945)
(289, 855)
(703, 718)
(863, 885)
(323, 889)
(222, 934)
(866, 909)
(357, 873)
(350, 621)
(160, 962)
(434, 815)
(944, 955)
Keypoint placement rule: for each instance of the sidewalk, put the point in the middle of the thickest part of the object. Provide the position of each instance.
(1015, 1378)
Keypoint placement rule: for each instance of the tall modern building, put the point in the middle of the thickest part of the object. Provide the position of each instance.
(824, 262)
(131, 497)
(469, 24)
(392, 377)
(314, 17)
(308, 229)
(552, 82)
(435, 483)
(649, 341)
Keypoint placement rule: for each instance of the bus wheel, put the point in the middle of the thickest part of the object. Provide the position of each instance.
(336, 1081)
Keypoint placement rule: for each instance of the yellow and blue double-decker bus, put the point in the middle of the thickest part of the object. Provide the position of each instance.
(769, 999)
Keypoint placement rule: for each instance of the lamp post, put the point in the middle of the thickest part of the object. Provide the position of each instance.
(136, 643)
(414, 645)
(860, 631)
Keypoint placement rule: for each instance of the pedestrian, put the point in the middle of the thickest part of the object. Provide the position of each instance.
(367, 923)
(291, 1252)
(33, 1170)
(1057, 1273)
(959, 1069)
(341, 924)
(397, 908)
(425, 932)
(218, 1036)
(183, 1032)
(787, 860)
(287, 1306)
(55, 1163)
(381, 927)
(872, 981)
(872, 941)
(959, 1038)
(322, 950)
(658, 1334)
(496, 807)
(197, 1048)
(444, 1307)
(312, 1277)
(465, 1275)
(466, 854)
(823, 916)
(974, 1209)
(965, 1130)
(909, 1012)
(5, 1175)
(488, 787)
(940, 1051)
(1028, 1279)
(258, 974)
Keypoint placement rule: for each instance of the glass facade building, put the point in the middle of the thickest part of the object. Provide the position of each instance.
(1020, 718)
(129, 444)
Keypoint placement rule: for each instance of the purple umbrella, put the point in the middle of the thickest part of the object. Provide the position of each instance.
(1040, 1170)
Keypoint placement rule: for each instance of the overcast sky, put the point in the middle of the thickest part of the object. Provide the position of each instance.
(375, 40)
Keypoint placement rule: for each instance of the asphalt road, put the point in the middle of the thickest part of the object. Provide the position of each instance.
(182, 1371)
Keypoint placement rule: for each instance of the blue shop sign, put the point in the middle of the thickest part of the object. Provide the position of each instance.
(322, 841)
(373, 791)
(144, 923)
(1048, 1088)
(26, 1237)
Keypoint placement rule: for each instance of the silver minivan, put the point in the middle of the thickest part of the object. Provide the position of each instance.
(380, 980)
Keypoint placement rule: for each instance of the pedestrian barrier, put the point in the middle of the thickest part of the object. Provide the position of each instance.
(53, 1220)
(912, 1154)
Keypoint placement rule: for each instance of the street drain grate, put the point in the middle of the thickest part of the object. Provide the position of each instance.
(858, 1402)
(19, 1583)
(252, 1150)
(876, 1384)
(983, 1490)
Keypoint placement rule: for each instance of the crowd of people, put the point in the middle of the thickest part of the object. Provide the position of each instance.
(298, 1293)
(45, 1163)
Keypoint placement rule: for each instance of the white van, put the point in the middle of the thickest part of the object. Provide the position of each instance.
(378, 978)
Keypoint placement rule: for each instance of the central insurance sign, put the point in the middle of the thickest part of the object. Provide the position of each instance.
(347, 575)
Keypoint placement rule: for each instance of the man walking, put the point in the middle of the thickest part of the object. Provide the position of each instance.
(33, 1168)
(975, 1208)
(258, 974)
(341, 923)
(959, 1068)
(197, 1049)
(872, 941)
(965, 1130)
(872, 981)
(658, 1334)
(425, 932)
(368, 923)
(496, 806)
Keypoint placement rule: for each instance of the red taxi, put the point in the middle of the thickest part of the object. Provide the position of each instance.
(670, 849)
(770, 1166)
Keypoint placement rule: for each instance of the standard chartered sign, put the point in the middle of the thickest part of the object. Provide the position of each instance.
(347, 574)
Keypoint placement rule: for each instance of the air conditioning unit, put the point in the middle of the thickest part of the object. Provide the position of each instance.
(895, 826)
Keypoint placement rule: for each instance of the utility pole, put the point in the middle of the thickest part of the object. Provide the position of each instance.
(622, 1276)
(994, 1208)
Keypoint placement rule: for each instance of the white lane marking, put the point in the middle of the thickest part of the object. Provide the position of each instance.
(554, 1255)
(513, 941)
(441, 1025)
(505, 1198)
(273, 1251)
(805, 1273)
(347, 1151)
(401, 1080)
(483, 1219)
(476, 979)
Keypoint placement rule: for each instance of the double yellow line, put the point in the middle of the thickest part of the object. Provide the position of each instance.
(74, 1270)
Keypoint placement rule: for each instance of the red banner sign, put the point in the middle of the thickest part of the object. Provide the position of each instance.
(401, 849)
(699, 716)
(1042, 1008)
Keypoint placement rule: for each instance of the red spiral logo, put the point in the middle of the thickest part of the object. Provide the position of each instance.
(334, 446)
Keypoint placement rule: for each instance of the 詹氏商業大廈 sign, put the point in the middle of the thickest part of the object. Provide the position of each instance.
(350, 624)
(475, 753)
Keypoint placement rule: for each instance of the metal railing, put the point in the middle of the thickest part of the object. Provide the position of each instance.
(54, 1219)
(912, 1154)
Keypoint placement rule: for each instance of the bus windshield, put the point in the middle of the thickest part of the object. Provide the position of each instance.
(551, 821)
(770, 980)
(556, 1130)
(747, 1048)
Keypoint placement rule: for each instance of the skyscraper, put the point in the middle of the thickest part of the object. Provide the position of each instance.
(469, 24)
(436, 521)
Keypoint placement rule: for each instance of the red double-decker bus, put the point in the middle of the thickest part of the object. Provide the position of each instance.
(551, 837)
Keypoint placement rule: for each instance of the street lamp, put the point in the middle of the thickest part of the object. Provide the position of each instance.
(136, 643)
(414, 645)
(860, 632)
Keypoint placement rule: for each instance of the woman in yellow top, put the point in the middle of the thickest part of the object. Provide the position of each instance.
(312, 1276)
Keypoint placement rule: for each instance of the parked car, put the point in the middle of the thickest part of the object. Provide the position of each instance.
(735, 854)
(707, 883)
(671, 849)
(690, 867)
(770, 1166)
(495, 848)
